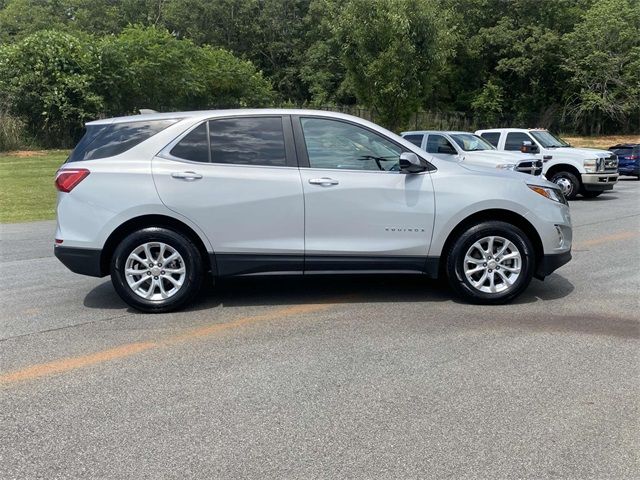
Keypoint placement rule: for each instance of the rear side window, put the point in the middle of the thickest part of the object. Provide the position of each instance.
(514, 140)
(101, 141)
(491, 137)
(415, 139)
(194, 146)
(248, 141)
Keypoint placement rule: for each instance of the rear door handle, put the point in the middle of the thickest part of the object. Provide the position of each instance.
(189, 176)
(324, 181)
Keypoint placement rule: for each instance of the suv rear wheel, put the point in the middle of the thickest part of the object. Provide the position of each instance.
(490, 263)
(156, 270)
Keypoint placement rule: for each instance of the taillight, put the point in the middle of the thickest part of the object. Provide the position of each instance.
(67, 179)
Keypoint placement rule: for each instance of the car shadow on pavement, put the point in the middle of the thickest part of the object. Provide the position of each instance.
(296, 290)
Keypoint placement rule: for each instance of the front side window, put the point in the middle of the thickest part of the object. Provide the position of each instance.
(194, 146)
(415, 139)
(439, 144)
(248, 141)
(514, 140)
(108, 140)
(342, 145)
(471, 143)
(491, 137)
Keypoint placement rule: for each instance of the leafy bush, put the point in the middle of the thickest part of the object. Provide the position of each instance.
(48, 78)
(149, 68)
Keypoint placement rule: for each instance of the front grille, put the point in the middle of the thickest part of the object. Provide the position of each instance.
(611, 163)
(532, 167)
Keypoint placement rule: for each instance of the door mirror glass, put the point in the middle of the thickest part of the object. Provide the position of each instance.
(529, 147)
(411, 163)
(447, 150)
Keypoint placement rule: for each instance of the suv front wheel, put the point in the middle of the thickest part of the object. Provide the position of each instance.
(490, 263)
(156, 270)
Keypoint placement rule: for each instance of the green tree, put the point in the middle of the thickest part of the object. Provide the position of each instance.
(146, 67)
(48, 78)
(390, 49)
(603, 59)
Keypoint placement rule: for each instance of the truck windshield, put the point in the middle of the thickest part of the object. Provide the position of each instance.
(547, 140)
(471, 143)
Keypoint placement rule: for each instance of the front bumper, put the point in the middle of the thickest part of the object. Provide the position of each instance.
(599, 181)
(85, 261)
(550, 263)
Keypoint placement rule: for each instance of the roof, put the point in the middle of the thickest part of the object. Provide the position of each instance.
(429, 132)
(625, 145)
(219, 113)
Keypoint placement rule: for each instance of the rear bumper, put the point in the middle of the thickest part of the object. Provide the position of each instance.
(85, 261)
(550, 263)
(599, 181)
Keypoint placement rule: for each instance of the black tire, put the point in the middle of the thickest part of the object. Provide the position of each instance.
(567, 179)
(191, 258)
(455, 262)
(591, 194)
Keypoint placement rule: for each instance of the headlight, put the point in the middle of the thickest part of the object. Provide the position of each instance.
(594, 165)
(506, 166)
(550, 193)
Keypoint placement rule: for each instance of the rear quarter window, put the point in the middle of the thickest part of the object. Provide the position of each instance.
(102, 141)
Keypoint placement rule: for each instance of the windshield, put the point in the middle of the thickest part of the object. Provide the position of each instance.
(547, 140)
(471, 143)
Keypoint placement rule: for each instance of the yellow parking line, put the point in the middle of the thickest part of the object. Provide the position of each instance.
(608, 238)
(127, 350)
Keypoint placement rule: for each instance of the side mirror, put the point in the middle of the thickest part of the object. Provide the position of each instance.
(529, 147)
(411, 163)
(447, 149)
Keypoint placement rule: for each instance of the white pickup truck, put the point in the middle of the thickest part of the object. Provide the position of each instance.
(585, 171)
(469, 149)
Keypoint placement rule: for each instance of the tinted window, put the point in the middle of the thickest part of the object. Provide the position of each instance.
(515, 139)
(101, 141)
(194, 146)
(335, 144)
(439, 144)
(470, 143)
(491, 137)
(248, 141)
(415, 139)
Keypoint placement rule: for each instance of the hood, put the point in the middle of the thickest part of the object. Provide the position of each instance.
(496, 157)
(584, 153)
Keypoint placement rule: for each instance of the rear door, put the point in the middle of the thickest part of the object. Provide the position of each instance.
(237, 179)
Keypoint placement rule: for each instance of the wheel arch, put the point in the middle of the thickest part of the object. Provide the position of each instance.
(494, 214)
(155, 220)
(563, 167)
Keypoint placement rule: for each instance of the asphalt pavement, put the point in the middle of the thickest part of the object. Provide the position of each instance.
(332, 377)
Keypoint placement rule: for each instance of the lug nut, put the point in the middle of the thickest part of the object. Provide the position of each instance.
(484, 264)
(159, 264)
(489, 270)
(151, 265)
(148, 273)
(162, 272)
(155, 278)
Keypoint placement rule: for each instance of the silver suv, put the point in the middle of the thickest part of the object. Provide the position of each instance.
(158, 201)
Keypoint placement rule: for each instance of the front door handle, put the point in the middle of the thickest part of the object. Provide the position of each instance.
(189, 176)
(324, 181)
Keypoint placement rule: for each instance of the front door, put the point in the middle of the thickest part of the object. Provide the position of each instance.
(237, 179)
(361, 212)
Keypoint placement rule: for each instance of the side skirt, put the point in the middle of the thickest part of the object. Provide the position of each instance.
(240, 264)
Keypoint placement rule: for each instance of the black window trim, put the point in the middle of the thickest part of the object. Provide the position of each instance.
(303, 157)
(289, 147)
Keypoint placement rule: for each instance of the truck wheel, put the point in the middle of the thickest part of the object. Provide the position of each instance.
(591, 194)
(156, 270)
(490, 263)
(568, 183)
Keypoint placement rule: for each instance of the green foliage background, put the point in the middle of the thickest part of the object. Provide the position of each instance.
(565, 64)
